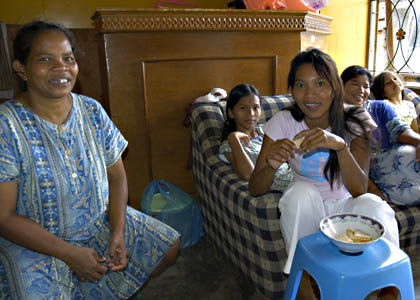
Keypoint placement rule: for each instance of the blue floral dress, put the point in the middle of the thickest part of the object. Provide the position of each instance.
(393, 166)
(61, 172)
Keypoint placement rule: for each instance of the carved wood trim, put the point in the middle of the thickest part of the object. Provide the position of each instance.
(120, 20)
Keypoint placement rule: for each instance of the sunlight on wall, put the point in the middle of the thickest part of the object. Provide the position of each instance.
(349, 32)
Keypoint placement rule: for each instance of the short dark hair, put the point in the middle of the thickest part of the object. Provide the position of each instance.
(22, 43)
(354, 71)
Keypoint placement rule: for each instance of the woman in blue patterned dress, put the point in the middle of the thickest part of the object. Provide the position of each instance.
(394, 169)
(66, 231)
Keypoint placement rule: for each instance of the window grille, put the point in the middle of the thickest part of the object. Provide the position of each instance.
(394, 37)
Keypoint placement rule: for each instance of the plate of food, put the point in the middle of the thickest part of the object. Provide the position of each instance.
(352, 233)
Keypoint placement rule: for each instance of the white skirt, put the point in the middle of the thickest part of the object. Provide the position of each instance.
(302, 209)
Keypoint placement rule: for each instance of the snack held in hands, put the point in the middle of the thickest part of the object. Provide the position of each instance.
(298, 141)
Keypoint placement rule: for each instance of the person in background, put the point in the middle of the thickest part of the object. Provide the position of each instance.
(389, 87)
(242, 136)
(394, 169)
(66, 231)
(328, 150)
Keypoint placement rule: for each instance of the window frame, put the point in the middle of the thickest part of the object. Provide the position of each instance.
(412, 77)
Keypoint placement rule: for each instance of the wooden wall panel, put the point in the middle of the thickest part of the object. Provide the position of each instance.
(171, 85)
(157, 61)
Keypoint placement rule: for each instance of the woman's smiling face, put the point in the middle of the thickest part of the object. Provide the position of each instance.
(246, 113)
(51, 68)
(313, 94)
(357, 90)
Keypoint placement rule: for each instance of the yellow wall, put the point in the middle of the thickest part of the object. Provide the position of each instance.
(77, 13)
(349, 32)
(346, 44)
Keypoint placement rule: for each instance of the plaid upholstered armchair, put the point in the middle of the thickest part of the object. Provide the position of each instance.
(246, 228)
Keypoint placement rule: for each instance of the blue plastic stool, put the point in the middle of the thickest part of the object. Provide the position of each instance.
(350, 277)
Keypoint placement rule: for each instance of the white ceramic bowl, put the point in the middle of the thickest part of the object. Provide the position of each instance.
(337, 224)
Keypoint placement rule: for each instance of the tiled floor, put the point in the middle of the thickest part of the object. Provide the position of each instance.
(202, 273)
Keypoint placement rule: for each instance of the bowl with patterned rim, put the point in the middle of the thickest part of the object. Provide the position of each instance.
(352, 233)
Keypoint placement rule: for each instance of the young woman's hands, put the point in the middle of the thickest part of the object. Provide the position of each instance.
(279, 152)
(318, 138)
(410, 137)
(353, 162)
(240, 136)
(86, 263)
(117, 252)
(306, 141)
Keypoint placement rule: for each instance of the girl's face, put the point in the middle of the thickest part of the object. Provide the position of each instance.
(357, 90)
(51, 69)
(246, 113)
(393, 85)
(313, 95)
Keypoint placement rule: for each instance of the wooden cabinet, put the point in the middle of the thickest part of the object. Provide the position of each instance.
(155, 62)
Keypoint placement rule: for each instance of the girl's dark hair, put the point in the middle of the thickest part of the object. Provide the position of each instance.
(378, 86)
(238, 92)
(354, 71)
(338, 118)
(22, 43)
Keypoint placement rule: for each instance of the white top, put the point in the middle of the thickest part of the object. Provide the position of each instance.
(308, 167)
(406, 111)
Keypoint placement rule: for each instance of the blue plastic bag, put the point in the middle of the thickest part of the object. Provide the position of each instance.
(171, 205)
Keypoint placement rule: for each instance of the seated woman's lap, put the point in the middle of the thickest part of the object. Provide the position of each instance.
(31, 275)
(28, 273)
(300, 204)
(373, 206)
(397, 174)
(302, 208)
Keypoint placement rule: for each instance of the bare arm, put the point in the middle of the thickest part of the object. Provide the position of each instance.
(354, 166)
(272, 155)
(240, 161)
(410, 137)
(118, 196)
(23, 231)
(373, 189)
(84, 262)
(415, 125)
